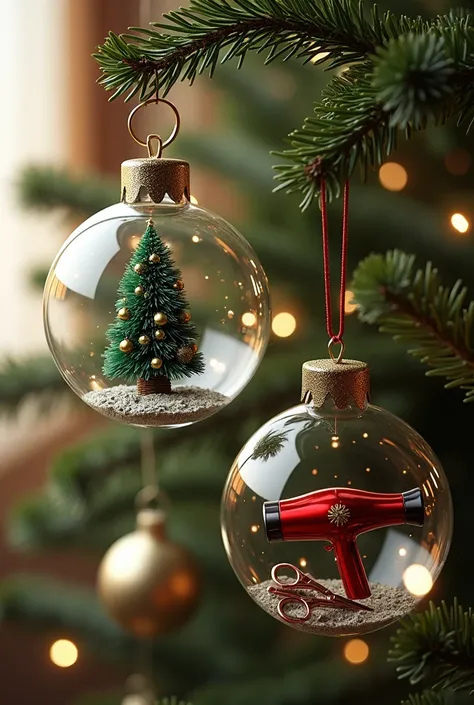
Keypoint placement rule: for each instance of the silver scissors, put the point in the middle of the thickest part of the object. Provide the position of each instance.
(287, 591)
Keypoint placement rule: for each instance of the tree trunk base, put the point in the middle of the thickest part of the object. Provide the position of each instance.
(156, 385)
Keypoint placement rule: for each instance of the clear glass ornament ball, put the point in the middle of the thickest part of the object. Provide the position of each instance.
(300, 493)
(223, 282)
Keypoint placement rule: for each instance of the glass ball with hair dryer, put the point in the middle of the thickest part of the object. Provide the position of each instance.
(337, 515)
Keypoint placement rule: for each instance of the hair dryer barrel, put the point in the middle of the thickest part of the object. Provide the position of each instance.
(311, 516)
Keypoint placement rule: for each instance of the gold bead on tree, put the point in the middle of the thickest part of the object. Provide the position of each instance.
(185, 317)
(126, 346)
(179, 285)
(139, 268)
(160, 319)
(143, 340)
(160, 334)
(154, 258)
(194, 348)
(158, 591)
(156, 363)
(139, 291)
(124, 314)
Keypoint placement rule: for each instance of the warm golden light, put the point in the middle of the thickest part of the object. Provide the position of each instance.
(402, 552)
(393, 176)
(365, 435)
(356, 651)
(460, 223)
(196, 238)
(349, 307)
(284, 325)
(254, 528)
(194, 200)
(249, 319)
(303, 562)
(63, 653)
(417, 580)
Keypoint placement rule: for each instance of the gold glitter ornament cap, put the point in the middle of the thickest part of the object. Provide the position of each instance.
(346, 382)
(152, 178)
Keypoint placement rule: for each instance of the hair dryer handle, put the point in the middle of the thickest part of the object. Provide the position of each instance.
(351, 569)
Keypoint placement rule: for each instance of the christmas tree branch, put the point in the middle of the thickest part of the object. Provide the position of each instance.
(414, 307)
(406, 73)
(436, 646)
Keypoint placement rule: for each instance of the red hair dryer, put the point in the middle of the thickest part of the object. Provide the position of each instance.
(339, 515)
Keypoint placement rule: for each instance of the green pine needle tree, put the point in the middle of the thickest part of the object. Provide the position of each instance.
(152, 340)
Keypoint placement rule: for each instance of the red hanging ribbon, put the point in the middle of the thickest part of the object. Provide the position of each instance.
(333, 337)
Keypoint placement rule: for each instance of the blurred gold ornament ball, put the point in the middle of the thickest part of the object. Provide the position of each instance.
(143, 340)
(178, 285)
(126, 346)
(160, 334)
(185, 354)
(156, 363)
(160, 319)
(123, 314)
(185, 317)
(139, 291)
(148, 584)
(154, 258)
(139, 268)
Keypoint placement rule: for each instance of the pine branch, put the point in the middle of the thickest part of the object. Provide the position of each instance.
(427, 697)
(48, 188)
(436, 646)
(414, 307)
(195, 37)
(407, 73)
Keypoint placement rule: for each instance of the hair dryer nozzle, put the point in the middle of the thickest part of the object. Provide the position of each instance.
(414, 507)
(272, 521)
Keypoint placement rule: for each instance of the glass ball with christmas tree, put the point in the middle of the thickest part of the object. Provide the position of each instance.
(156, 310)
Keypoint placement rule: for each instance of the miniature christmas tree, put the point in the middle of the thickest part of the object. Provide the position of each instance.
(153, 340)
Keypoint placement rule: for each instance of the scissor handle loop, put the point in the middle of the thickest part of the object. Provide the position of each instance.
(288, 582)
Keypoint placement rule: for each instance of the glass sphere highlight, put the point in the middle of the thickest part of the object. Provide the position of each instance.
(354, 501)
(220, 278)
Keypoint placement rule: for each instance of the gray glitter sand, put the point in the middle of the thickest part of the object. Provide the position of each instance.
(183, 405)
(389, 604)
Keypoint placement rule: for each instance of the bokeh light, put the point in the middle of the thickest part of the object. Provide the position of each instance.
(349, 307)
(284, 324)
(460, 222)
(249, 319)
(393, 176)
(417, 580)
(63, 653)
(356, 651)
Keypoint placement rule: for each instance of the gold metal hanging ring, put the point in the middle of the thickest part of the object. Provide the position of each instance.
(174, 132)
(335, 341)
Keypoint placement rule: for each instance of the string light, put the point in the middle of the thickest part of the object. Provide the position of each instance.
(356, 651)
(303, 562)
(284, 325)
(417, 580)
(349, 307)
(249, 319)
(63, 653)
(196, 238)
(460, 223)
(254, 528)
(393, 176)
